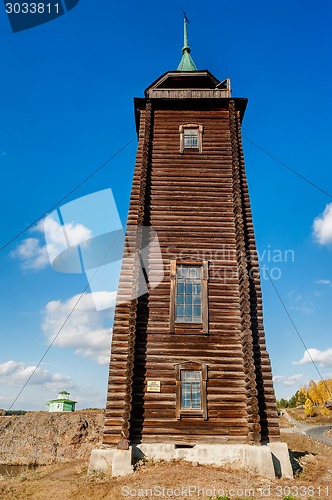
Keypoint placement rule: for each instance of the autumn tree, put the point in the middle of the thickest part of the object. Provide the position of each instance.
(309, 408)
(318, 393)
(301, 396)
(325, 411)
(324, 387)
(314, 394)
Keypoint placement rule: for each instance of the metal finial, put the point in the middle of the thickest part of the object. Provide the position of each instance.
(186, 63)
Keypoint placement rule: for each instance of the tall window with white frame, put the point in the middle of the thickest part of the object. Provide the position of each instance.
(191, 389)
(188, 294)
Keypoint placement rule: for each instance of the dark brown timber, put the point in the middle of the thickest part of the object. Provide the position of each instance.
(198, 203)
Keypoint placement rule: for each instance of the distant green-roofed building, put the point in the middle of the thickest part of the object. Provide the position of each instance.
(62, 404)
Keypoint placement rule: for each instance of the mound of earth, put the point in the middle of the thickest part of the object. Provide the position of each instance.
(47, 438)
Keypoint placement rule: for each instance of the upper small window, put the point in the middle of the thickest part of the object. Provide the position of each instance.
(191, 137)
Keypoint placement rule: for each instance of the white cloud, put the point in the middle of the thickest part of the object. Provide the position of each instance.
(324, 358)
(17, 373)
(322, 226)
(85, 330)
(323, 282)
(292, 380)
(32, 254)
(288, 381)
(36, 254)
(60, 237)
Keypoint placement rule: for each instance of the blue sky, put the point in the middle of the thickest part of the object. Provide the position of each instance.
(67, 91)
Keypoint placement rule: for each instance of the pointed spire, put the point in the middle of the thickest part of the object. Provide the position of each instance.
(186, 63)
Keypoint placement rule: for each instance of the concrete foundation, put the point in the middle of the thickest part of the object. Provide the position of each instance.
(281, 460)
(122, 462)
(268, 461)
(101, 460)
(111, 461)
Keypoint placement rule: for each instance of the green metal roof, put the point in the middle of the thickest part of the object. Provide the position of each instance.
(186, 63)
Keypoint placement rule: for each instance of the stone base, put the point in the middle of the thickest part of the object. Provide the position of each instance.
(281, 460)
(111, 461)
(267, 461)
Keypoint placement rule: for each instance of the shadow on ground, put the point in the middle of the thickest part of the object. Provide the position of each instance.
(294, 460)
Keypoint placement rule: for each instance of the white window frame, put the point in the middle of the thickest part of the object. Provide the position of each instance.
(191, 126)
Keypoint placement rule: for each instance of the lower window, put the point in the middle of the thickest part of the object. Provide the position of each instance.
(191, 398)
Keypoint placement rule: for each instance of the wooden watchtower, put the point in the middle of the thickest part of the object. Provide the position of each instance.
(189, 365)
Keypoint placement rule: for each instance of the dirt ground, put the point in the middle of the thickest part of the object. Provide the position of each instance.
(312, 462)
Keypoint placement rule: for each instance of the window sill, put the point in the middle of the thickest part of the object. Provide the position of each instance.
(190, 150)
(191, 413)
(189, 329)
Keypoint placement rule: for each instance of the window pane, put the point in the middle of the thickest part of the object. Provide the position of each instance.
(180, 300)
(179, 311)
(190, 376)
(185, 271)
(190, 138)
(188, 294)
(190, 389)
(195, 395)
(192, 272)
(185, 403)
(197, 311)
(189, 299)
(197, 300)
(190, 132)
(188, 310)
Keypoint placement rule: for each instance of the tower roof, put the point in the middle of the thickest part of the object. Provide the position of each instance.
(186, 63)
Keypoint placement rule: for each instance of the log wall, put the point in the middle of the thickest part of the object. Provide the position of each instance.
(199, 206)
